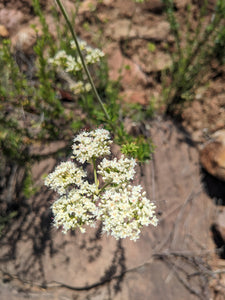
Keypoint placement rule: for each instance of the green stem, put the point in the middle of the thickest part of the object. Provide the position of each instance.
(95, 173)
(82, 59)
(104, 186)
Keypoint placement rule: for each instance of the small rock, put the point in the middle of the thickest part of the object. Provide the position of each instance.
(212, 156)
(135, 96)
(159, 31)
(3, 31)
(120, 29)
(154, 62)
(11, 19)
(24, 40)
(129, 71)
(43, 149)
(126, 8)
(87, 6)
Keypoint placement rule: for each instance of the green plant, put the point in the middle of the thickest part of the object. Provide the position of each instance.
(30, 107)
(28, 184)
(193, 52)
(219, 47)
(109, 109)
(30, 110)
(45, 96)
(14, 92)
(151, 47)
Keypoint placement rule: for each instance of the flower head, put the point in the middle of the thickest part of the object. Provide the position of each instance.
(65, 175)
(124, 212)
(74, 210)
(70, 64)
(80, 87)
(117, 171)
(90, 145)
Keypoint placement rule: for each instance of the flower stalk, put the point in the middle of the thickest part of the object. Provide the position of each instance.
(61, 7)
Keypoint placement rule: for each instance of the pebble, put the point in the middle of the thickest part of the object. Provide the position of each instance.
(212, 155)
(3, 31)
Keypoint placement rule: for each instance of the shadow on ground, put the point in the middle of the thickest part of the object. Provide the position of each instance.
(214, 187)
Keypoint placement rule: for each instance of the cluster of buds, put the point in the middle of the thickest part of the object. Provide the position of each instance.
(122, 208)
(73, 65)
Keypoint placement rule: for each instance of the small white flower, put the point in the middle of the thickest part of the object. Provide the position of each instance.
(87, 87)
(77, 88)
(80, 87)
(82, 45)
(93, 56)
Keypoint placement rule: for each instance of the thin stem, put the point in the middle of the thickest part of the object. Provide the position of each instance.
(95, 173)
(104, 186)
(82, 59)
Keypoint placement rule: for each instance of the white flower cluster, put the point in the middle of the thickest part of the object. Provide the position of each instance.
(65, 61)
(82, 44)
(73, 65)
(74, 210)
(66, 174)
(123, 209)
(80, 87)
(117, 171)
(70, 64)
(92, 55)
(89, 145)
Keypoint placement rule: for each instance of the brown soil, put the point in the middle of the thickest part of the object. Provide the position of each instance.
(177, 259)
